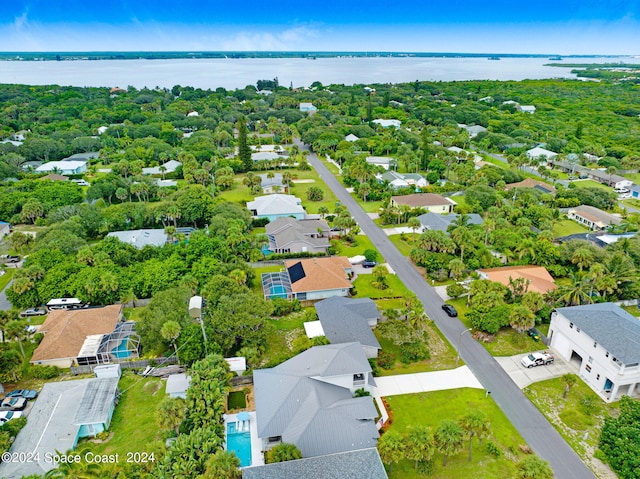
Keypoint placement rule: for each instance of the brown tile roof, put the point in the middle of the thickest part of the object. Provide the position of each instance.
(531, 183)
(418, 200)
(321, 274)
(65, 331)
(55, 177)
(539, 278)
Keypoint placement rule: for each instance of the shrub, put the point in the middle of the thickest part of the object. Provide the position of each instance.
(370, 254)
(413, 352)
(386, 360)
(455, 290)
(282, 307)
(492, 449)
(375, 369)
(44, 372)
(315, 193)
(361, 392)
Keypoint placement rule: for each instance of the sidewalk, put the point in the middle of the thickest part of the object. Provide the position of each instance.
(461, 377)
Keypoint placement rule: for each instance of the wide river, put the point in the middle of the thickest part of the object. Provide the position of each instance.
(238, 73)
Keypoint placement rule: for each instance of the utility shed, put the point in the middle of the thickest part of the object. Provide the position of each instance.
(96, 408)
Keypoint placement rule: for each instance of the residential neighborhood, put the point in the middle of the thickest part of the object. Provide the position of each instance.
(340, 281)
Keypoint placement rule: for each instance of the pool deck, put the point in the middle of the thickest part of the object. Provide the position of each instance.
(257, 458)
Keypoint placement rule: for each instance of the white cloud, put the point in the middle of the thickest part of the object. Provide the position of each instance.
(20, 22)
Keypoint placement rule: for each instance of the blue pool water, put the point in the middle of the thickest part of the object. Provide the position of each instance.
(278, 291)
(121, 351)
(239, 443)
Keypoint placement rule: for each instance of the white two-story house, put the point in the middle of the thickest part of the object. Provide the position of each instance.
(309, 401)
(605, 341)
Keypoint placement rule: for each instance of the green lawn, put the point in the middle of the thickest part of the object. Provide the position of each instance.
(133, 426)
(431, 408)
(404, 242)
(567, 227)
(635, 177)
(578, 418)
(590, 184)
(369, 206)
(256, 287)
(358, 247)
(236, 400)
(6, 277)
(365, 289)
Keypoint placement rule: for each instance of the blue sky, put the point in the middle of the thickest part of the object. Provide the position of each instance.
(491, 26)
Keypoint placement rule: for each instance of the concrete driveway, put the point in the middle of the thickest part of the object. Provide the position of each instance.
(524, 376)
(461, 377)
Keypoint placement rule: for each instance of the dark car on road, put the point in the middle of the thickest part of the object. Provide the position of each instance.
(23, 393)
(369, 264)
(450, 310)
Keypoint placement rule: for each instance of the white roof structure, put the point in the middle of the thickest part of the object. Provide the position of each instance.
(537, 152)
(276, 205)
(237, 365)
(387, 123)
(266, 156)
(60, 165)
(177, 384)
(169, 167)
(351, 137)
(313, 329)
(141, 238)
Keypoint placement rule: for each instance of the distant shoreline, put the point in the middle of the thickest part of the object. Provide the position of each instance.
(169, 55)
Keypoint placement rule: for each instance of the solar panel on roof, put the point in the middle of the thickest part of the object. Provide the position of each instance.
(296, 272)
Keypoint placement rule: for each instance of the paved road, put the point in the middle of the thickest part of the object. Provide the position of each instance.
(531, 424)
(5, 305)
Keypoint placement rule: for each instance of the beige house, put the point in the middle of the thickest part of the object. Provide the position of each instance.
(592, 217)
(81, 336)
(427, 201)
(537, 278)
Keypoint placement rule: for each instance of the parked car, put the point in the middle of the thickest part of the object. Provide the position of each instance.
(450, 310)
(23, 393)
(369, 264)
(537, 359)
(33, 312)
(7, 258)
(14, 404)
(533, 332)
(8, 415)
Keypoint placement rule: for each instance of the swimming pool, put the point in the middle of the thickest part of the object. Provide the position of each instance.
(121, 352)
(239, 441)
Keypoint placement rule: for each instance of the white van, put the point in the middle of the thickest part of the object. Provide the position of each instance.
(65, 303)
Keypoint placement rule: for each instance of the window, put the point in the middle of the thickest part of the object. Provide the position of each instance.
(588, 368)
(274, 439)
(577, 330)
(606, 355)
(595, 344)
(597, 377)
(358, 378)
(571, 325)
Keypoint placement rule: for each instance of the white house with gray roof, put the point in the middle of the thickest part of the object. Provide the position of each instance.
(438, 222)
(308, 401)
(289, 235)
(604, 340)
(141, 238)
(345, 320)
(402, 180)
(277, 206)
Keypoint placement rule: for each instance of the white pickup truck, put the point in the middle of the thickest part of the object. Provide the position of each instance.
(537, 359)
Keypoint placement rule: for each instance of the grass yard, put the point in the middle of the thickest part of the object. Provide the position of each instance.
(567, 227)
(591, 184)
(6, 277)
(133, 424)
(507, 341)
(369, 206)
(236, 400)
(443, 355)
(358, 247)
(364, 288)
(578, 418)
(404, 242)
(635, 177)
(430, 408)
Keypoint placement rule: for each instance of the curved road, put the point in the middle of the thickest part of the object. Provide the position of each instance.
(529, 422)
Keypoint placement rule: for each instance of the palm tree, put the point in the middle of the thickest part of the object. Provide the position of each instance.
(171, 413)
(415, 225)
(569, 381)
(449, 439)
(582, 257)
(521, 318)
(222, 465)
(456, 268)
(575, 294)
(391, 448)
(419, 444)
(170, 331)
(475, 423)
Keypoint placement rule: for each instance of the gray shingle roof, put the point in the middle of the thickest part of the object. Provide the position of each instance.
(438, 222)
(296, 401)
(360, 464)
(283, 232)
(345, 320)
(611, 326)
